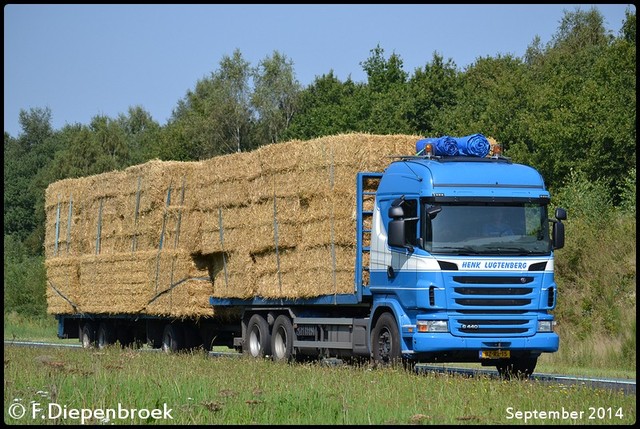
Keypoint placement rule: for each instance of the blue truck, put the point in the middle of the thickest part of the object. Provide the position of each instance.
(454, 262)
(437, 278)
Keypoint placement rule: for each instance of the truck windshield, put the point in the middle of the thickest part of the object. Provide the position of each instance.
(487, 229)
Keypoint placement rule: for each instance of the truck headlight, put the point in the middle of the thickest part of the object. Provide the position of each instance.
(433, 326)
(545, 325)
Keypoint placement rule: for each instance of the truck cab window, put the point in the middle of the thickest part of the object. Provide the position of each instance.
(489, 229)
(411, 211)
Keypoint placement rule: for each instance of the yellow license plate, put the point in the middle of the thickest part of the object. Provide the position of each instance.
(495, 354)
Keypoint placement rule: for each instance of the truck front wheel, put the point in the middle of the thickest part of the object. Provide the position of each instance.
(282, 339)
(258, 341)
(385, 341)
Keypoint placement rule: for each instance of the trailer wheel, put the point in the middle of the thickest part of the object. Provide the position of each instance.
(519, 368)
(172, 339)
(258, 341)
(106, 335)
(88, 335)
(385, 341)
(282, 339)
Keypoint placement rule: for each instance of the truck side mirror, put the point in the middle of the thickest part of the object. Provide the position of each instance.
(397, 225)
(396, 212)
(558, 235)
(397, 235)
(432, 211)
(558, 228)
(561, 214)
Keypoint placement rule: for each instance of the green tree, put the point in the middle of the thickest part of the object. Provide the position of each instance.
(582, 103)
(381, 72)
(81, 156)
(432, 95)
(142, 135)
(25, 158)
(18, 206)
(110, 138)
(216, 117)
(237, 115)
(327, 107)
(23, 280)
(276, 95)
(628, 30)
(491, 97)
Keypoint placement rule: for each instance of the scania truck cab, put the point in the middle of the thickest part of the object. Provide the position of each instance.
(462, 253)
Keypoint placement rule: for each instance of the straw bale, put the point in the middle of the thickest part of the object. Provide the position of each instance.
(238, 167)
(229, 193)
(63, 278)
(313, 184)
(232, 276)
(305, 284)
(294, 260)
(159, 283)
(280, 157)
(263, 238)
(189, 299)
(340, 232)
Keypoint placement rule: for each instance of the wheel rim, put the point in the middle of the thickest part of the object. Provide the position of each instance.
(280, 344)
(167, 342)
(254, 342)
(88, 337)
(384, 345)
(85, 340)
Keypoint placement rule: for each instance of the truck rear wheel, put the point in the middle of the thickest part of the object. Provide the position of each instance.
(88, 335)
(258, 341)
(106, 335)
(282, 339)
(385, 341)
(172, 338)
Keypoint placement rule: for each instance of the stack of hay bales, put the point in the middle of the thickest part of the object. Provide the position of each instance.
(161, 238)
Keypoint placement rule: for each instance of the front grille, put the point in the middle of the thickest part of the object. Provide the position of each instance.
(502, 326)
(477, 327)
(493, 305)
(492, 280)
(493, 291)
(493, 302)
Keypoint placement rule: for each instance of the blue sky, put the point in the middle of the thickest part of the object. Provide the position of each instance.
(86, 60)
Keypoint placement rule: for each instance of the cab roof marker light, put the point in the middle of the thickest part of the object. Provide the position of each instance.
(496, 150)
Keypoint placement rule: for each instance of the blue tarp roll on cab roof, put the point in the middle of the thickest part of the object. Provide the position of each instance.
(442, 146)
(474, 145)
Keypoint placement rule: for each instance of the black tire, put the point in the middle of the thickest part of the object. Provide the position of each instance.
(518, 368)
(106, 335)
(88, 335)
(385, 342)
(257, 342)
(172, 338)
(282, 339)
